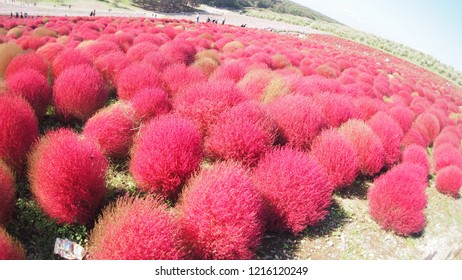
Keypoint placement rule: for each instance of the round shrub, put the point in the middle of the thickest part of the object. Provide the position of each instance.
(449, 180)
(336, 108)
(178, 77)
(430, 125)
(135, 78)
(179, 51)
(338, 156)
(415, 136)
(447, 137)
(18, 130)
(110, 65)
(7, 53)
(295, 187)
(31, 61)
(446, 155)
(397, 199)
(79, 92)
(403, 117)
(68, 58)
(417, 155)
(298, 120)
(202, 103)
(33, 87)
(113, 128)
(10, 249)
(221, 214)
(135, 228)
(371, 154)
(165, 154)
(149, 103)
(243, 133)
(390, 134)
(67, 176)
(49, 51)
(7, 192)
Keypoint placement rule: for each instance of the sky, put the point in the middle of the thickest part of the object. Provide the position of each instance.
(431, 26)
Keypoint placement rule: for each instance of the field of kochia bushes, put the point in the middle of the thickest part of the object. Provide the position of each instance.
(228, 132)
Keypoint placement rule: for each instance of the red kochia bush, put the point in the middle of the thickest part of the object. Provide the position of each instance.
(33, 87)
(336, 108)
(221, 214)
(418, 155)
(449, 180)
(298, 120)
(7, 192)
(390, 134)
(295, 187)
(149, 103)
(10, 249)
(368, 146)
(113, 128)
(203, 102)
(179, 51)
(68, 58)
(78, 92)
(67, 176)
(135, 78)
(403, 116)
(178, 77)
(18, 130)
(445, 155)
(338, 156)
(165, 154)
(243, 133)
(31, 61)
(397, 199)
(136, 229)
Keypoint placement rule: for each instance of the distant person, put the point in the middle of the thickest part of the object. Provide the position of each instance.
(21, 15)
(223, 21)
(11, 14)
(91, 13)
(17, 15)
(197, 19)
(208, 19)
(94, 13)
(243, 25)
(69, 6)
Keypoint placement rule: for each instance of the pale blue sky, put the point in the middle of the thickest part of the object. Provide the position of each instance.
(431, 26)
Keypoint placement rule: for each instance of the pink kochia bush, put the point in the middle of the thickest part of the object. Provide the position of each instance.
(67, 176)
(397, 199)
(295, 187)
(10, 249)
(418, 155)
(18, 130)
(150, 102)
(221, 214)
(135, 228)
(243, 133)
(165, 154)
(368, 146)
(113, 128)
(135, 78)
(30, 61)
(78, 92)
(7, 192)
(445, 155)
(298, 120)
(390, 134)
(202, 103)
(338, 156)
(449, 180)
(33, 87)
